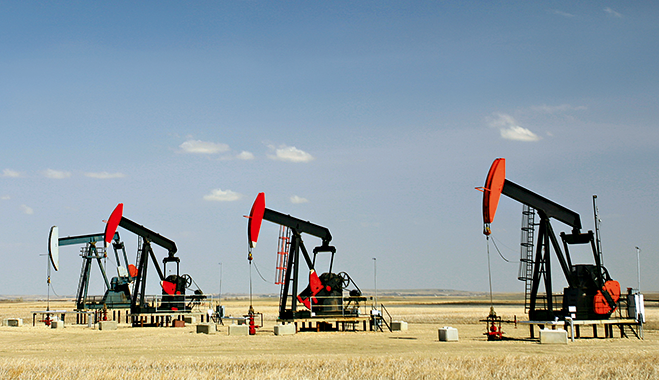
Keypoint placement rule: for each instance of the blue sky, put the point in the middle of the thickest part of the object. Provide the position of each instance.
(375, 119)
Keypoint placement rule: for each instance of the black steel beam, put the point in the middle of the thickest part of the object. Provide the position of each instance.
(298, 225)
(538, 202)
(146, 233)
(84, 239)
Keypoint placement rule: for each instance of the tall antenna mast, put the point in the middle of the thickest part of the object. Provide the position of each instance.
(598, 242)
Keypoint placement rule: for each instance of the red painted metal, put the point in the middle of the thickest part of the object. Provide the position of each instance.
(113, 222)
(599, 302)
(132, 270)
(252, 324)
(315, 286)
(255, 220)
(493, 188)
(168, 287)
(314, 283)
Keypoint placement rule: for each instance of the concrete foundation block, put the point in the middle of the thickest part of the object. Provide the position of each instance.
(398, 326)
(553, 336)
(190, 319)
(448, 334)
(206, 328)
(12, 322)
(108, 325)
(57, 324)
(238, 330)
(288, 329)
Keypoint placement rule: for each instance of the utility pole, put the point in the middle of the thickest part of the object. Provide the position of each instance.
(638, 266)
(375, 280)
(219, 295)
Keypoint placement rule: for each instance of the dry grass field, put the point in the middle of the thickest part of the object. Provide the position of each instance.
(165, 353)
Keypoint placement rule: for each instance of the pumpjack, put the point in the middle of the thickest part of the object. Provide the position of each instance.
(323, 296)
(591, 294)
(117, 295)
(173, 286)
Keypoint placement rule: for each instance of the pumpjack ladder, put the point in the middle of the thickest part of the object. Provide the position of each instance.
(283, 249)
(282, 254)
(526, 252)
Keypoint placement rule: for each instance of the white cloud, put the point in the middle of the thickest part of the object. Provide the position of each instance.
(502, 120)
(219, 195)
(515, 132)
(104, 175)
(203, 147)
(510, 130)
(291, 154)
(5, 197)
(561, 13)
(10, 173)
(57, 174)
(244, 155)
(612, 12)
(297, 199)
(27, 210)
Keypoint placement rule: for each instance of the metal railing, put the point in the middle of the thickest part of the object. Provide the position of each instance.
(187, 303)
(344, 306)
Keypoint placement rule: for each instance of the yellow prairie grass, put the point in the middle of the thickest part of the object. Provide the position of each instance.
(449, 367)
(180, 353)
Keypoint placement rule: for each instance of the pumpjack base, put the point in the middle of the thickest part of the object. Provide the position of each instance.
(624, 324)
(318, 324)
(164, 319)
